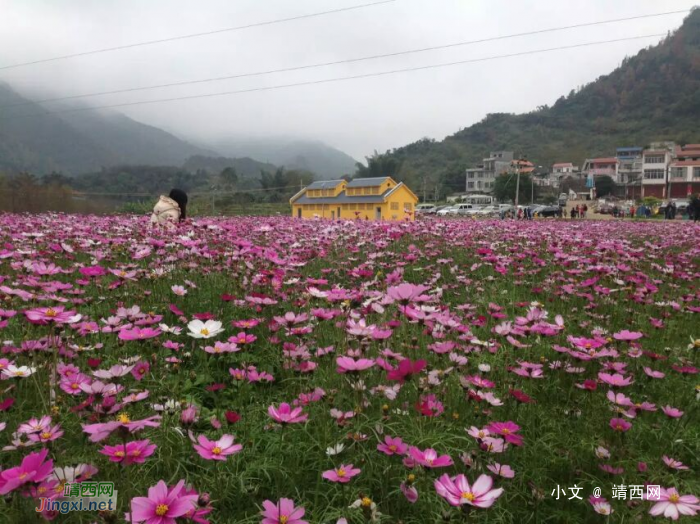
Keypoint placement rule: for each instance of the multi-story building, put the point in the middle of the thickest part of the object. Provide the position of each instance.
(481, 178)
(684, 172)
(560, 171)
(630, 171)
(597, 167)
(655, 164)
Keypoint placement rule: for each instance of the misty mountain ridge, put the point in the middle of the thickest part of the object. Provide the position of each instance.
(325, 161)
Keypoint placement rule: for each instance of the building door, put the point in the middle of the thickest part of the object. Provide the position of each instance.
(332, 215)
(378, 213)
(299, 212)
(338, 211)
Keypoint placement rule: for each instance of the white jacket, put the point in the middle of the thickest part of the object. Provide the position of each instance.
(165, 211)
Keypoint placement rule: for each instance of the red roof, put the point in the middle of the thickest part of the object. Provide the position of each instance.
(682, 163)
(564, 164)
(691, 146)
(608, 160)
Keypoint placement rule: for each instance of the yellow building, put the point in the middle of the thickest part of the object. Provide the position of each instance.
(365, 198)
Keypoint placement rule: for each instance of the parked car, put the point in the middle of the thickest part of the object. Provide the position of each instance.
(548, 211)
(447, 210)
(426, 209)
(487, 211)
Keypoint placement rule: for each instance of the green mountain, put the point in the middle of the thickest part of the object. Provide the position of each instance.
(245, 167)
(324, 161)
(652, 96)
(79, 142)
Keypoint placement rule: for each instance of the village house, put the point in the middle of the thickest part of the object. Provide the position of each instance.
(655, 164)
(684, 172)
(597, 167)
(380, 198)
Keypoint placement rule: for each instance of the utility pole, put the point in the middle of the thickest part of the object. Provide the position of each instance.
(517, 185)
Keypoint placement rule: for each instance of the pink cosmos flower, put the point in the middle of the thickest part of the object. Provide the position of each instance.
(350, 365)
(653, 373)
(504, 470)
(673, 463)
(138, 333)
(627, 335)
(600, 505)
(102, 430)
(282, 512)
(162, 506)
(620, 424)
(45, 315)
(34, 425)
(672, 505)
(284, 414)
(217, 449)
(615, 379)
(410, 492)
(429, 458)
(341, 474)
(406, 293)
(672, 412)
(392, 446)
(32, 469)
(458, 492)
(47, 435)
(135, 452)
(140, 370)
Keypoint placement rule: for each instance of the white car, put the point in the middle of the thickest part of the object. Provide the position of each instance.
(449, 210)
(426, 209)
(487, 211)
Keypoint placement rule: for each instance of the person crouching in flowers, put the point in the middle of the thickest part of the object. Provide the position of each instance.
(170, 209)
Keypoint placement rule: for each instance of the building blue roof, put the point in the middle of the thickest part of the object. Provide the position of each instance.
(324, 184)
(368, 182)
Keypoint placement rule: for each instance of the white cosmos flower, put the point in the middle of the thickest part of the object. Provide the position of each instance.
(21, 371)
(208, 329)
(335, 450)
(175, 330)
(484, 368)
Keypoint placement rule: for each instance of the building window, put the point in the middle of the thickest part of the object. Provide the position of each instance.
(653, 174)
(696, 172)
(655, 159)
(678, 172)
(408, 207)
(470, 175)
(394, 206)
(470, 185)
(375, 191)
(367, 191)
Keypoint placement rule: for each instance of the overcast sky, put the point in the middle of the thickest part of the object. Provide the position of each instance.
(357, 116)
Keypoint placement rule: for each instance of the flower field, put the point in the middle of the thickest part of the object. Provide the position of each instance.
(280, 371)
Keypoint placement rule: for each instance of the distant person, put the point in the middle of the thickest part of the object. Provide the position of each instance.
(573, 212)
(170, 209)
(632, 211)
(674, 209)
(615, 211)
(585, 210)
(693, 209)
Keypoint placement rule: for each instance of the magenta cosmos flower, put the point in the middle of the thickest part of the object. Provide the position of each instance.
(615, 379)
(284, 414)
(457, 491)
(392, 446)
(341, 474)
(135, 452)
(406, 369)
(350, 365)
(162, 506)
(217, 449)
(45, 315)
(429, 458)
(620, 424)
(32, 469)
(282, 512)
(508, 430)
(672, 505)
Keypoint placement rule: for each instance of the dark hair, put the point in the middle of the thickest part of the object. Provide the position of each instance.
(179, 196)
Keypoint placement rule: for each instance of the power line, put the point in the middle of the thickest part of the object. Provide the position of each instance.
(332, 80)
(346, 61)
(79, 193)
(197, 35)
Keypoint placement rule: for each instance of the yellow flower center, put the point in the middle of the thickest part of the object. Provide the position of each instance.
(119, 454)
(45, 435)
(40, 490)
(392, 447)
(161, 509)
(603, 511)
(136, 453)
(674, 498)
(587, 345)
(124, 418)
(216, 450)
(411, 477)
(51, 312)
(122, 273)
(74, 385)
(340, 472)
(22, 475)
(284, 519)
(618, 427)
(366, 502)
(468, 495)
(19, 373)
(506, 431)
(204, 332)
